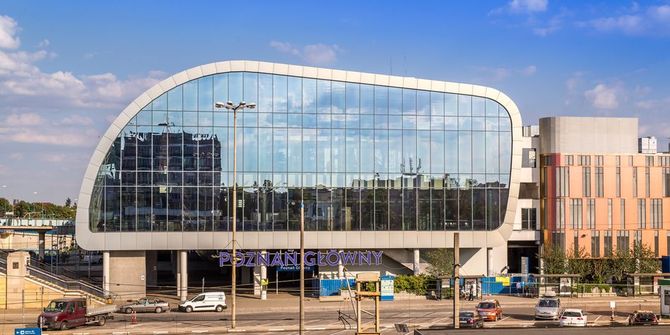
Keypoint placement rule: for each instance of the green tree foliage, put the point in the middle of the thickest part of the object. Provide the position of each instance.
(35, 210)
(412, 284)
(441, 262)
(639, 259)
(555, 260)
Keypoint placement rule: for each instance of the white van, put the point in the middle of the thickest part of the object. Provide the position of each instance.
(210, 301)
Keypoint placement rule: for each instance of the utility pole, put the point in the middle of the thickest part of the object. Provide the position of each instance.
(302, 268)
(457, 280)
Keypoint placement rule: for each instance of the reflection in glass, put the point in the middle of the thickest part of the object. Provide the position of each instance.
(362, 157)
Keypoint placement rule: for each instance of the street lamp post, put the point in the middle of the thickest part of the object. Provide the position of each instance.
(234, 108)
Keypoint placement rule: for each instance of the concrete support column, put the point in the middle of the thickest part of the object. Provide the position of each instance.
(127, 274)
(105, 272)
(340, 266)
(183, 271)
(260, 277)
(489, 262)
(178, 273)
(416, 262)
(41, 241)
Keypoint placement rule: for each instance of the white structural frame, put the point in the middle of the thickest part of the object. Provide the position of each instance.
(115, 241)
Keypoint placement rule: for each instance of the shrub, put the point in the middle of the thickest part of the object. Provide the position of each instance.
(412, 284)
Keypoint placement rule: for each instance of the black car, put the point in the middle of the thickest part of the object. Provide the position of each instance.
(642, 318)
(470, 319)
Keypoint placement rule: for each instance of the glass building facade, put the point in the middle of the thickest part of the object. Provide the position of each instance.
(361, 158)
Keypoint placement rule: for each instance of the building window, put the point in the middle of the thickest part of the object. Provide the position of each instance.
(585, 160)
(622, 213)
(641, 214)
(560, 214)
(529, 158)
(618, 182)
(528, 218)
(630, 161)
(649, 161)
(569, 160)
(608, 243)
(634, 182)
(656, 213)
(618, 160)
(656, 244)
(575, 243)
(558, 239)
(599, 182)
(647, 182)
(586, 181)
(666, 181)
(609, 213)
(599, 160)
(576, 213)
(667, 244)
(595, 243)
(562, 181)
(622, 241)
(591, 214)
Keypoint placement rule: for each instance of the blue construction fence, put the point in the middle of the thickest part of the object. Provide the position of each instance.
(332, 287)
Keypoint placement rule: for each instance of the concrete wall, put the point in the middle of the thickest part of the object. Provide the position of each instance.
(29, 241)
(127, 274)
(588, 135)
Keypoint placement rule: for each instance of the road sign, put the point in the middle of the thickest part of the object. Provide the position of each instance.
(27, 331)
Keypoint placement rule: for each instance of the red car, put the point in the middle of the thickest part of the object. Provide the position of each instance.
(490, 310)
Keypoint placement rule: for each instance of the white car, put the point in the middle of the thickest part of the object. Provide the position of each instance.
(573, 317)
(210, 301)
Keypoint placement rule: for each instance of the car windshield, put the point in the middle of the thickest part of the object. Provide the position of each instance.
(486, 305)
(646, 316)
(572, 314)
(466, 314)
(56, 306)
(548, 303)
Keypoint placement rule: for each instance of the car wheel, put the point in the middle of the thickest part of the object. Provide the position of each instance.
(102, 321)
(159, 310)
(189, 309)
(128, 310)
(63, 325)
(219, 308)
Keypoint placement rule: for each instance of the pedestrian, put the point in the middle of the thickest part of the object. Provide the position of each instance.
(472, 292)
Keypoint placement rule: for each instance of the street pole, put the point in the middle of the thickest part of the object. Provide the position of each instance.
(229, 106)
(457, 280)
(234, 258)
(302, 267)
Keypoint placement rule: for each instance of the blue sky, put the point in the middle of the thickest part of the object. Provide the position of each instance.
(67, 68)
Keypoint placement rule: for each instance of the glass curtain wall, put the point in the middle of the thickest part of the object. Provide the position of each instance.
(360, 157)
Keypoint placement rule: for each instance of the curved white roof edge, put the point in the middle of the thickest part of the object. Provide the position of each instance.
(191, 240)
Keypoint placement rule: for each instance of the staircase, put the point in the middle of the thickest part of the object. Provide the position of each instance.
(63, 282)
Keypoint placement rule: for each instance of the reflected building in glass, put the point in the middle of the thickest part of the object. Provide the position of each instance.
(380, 162)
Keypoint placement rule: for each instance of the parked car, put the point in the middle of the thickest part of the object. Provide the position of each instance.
(145, 305)
(72, 312)
(490, 310)
(573, 317)
(470, 319)
(548, 308)
(642, 318)
(210, 301)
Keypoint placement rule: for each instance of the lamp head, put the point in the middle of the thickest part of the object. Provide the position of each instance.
(251, 105)
(219, 104)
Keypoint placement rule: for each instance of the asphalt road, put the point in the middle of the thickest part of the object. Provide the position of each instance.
(657, 330)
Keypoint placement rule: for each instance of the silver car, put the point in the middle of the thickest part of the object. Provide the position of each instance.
(548, 309)
(145, 305)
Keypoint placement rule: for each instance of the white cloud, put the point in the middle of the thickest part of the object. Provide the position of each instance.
(26, 119)
(43, 44)
(603, 96)
(654, 20)
(527, 6)
(75, 120)
(529, 70)
(317, 54)
(8, 28)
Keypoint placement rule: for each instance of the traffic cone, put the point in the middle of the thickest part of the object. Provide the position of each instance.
(133, 317)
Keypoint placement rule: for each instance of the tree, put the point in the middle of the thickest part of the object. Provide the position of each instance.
(578, 262)
(441, 262)
(554, 259)
(5, 206)
(646, 259)
(68, 202)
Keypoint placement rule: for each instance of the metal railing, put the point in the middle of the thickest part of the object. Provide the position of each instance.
(61, 280)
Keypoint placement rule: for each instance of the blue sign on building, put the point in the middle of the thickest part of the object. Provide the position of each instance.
(386, 288)
(27, 331)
